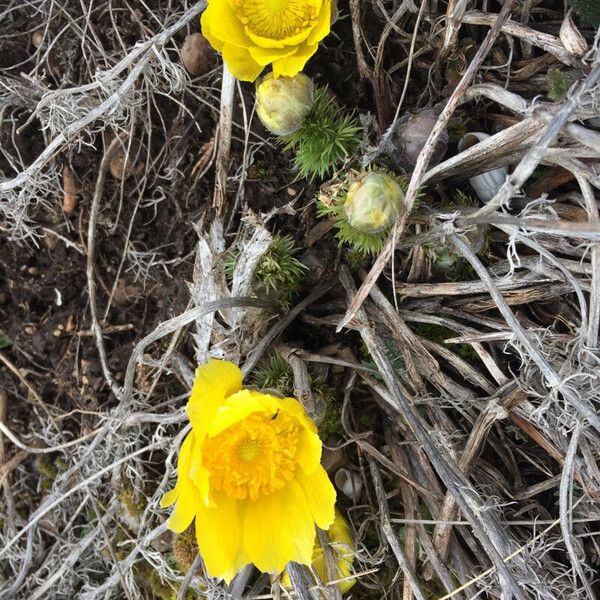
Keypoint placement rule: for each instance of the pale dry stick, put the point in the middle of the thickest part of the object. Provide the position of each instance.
(70, 561)
(565, 499)
(171, 325)
(454, 14)
(302, 388)
(256, 354)
(390, 534)
(591, 337)
(89, 270)
(389, 27)
(373, 76)
(527, 241)
(423, 161)
(185, 584)
(400, 458)
(67, 242)
(492, 412)
(224, 139)
(584, 229)
(535, 154)
(507, 559)
(410, 503)
(552, 378)
(144, 53)
(8, 363)
(6, 467)
(39, 450)
(410, 58)
(547, 42)
(299, 578)
(499, 150)
(484, 525)
(38, 514)
(126, 564)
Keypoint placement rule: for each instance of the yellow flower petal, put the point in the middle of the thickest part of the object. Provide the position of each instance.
(322, 28)
(309, 452)
(183, 461)
(214, 382)
(292, 65)
(239, 406)
(278, 529)
(169, 498)
(265, 56)
(240, 63)
(212, 40)
(219, 534)
(320, 496)
(185, 507)
(269, 43)
(222, 23)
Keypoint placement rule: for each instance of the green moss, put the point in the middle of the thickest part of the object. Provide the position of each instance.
(258, 170)
(588, 10)
(557, 85)
(185, 549)
(332, 420)
(148, 579)
(132, 502)
(44, 465)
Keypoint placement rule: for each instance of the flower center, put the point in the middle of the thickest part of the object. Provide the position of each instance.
(253, 457)
(249, 450)
(276, 19)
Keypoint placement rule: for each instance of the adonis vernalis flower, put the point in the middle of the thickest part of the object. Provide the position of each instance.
(249, 472)
(251, 34)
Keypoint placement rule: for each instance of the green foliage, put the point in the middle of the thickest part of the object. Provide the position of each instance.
(355, 260)
(393, 355)
(274, 373)
(326, 138)
(588, 10)
(557, 85)
(279, 271)
(5, 341)
(457, 127)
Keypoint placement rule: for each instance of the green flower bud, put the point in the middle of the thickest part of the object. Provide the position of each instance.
(373, 202)
(283, 103)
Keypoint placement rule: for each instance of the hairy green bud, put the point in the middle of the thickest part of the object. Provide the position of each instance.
(283, 103)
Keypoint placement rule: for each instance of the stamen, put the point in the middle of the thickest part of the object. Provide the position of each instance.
(277, 19)
(254, 457)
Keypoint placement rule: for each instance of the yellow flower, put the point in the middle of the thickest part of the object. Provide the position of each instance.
(254, 33)
(250, 474)
(342, 545)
